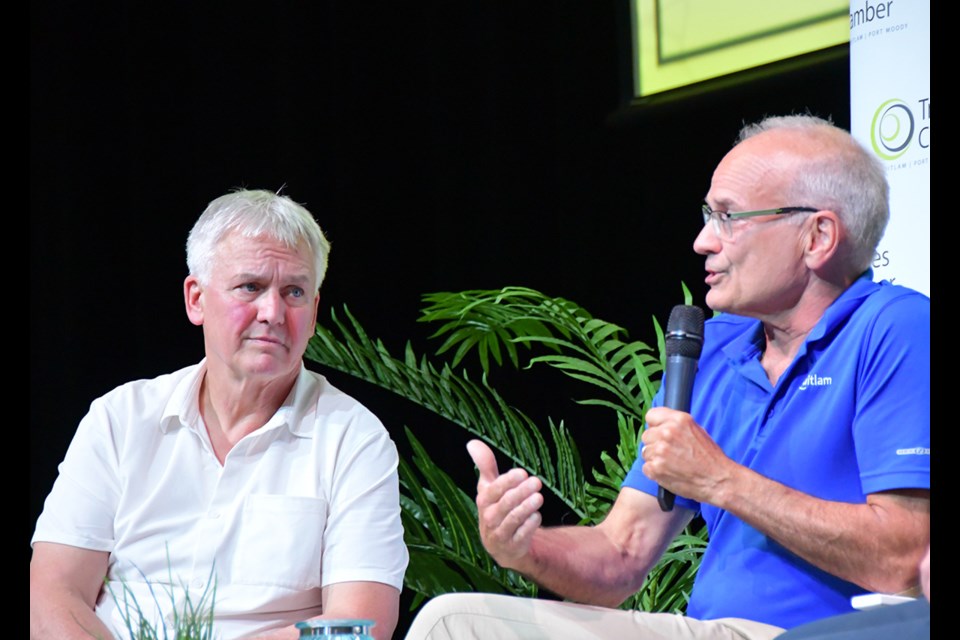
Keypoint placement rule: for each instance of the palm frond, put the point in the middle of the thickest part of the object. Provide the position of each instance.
(475, 407)
(581, 346)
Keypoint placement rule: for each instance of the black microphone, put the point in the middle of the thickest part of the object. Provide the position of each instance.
(683, 342)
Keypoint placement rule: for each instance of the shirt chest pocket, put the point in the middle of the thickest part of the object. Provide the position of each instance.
(280, 541)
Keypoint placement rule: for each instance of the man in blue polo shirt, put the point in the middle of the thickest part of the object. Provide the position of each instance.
(807, 446)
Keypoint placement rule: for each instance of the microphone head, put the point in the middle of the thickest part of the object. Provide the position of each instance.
(684, 335)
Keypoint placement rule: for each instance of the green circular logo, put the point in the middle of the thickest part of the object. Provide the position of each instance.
(891, 129)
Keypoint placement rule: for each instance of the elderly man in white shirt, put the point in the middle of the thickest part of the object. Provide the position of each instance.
(244, 482)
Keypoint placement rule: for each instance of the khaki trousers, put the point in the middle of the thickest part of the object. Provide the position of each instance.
(485, 616)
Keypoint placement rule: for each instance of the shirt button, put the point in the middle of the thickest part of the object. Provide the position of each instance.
(198, 583)
(214, 515)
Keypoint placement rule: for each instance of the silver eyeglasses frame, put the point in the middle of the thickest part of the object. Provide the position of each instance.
(721, 219)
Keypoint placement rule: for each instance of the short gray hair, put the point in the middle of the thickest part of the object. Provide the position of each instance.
(848, 180)
(253, 213)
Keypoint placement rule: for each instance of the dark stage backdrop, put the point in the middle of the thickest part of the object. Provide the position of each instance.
(441, 145)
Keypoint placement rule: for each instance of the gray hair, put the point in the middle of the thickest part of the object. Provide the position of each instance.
(848, 180)
(254, 213)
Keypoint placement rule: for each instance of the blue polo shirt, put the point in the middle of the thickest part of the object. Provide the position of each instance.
(849, 417)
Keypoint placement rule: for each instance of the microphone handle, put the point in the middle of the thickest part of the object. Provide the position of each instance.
(678, 389)
(666, 499)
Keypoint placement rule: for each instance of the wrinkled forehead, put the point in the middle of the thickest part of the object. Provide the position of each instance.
(753, 170)
(251, 253)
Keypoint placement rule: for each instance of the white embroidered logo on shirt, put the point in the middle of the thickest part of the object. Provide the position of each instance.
(813, 380)
(914, 451)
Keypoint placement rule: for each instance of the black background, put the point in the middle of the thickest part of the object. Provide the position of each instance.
(441, 145)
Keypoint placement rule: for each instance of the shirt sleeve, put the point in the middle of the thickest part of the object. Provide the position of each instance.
(364, 536)
(892, 425)
(80, 508)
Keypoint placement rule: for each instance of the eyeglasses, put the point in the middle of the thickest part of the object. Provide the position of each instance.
(722, 219)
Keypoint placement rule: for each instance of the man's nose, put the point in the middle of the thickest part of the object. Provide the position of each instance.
(271, 307)
(707, 241)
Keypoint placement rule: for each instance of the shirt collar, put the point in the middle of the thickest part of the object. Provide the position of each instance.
(183, 406)
(841, 308)
(749, 344)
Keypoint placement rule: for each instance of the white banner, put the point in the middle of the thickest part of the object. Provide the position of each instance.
(890, 114)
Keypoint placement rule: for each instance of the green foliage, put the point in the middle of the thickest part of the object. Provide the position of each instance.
(192, 621)
(521, 328)
(440, 528)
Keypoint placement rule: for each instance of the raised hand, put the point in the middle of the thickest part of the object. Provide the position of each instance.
(508, 507)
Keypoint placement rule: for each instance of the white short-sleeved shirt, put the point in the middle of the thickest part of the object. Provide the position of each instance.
(309, 499)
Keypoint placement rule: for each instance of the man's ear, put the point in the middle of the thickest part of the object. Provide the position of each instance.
(822, 242)
(193, 299)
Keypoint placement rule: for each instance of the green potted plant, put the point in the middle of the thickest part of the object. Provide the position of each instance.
(191, 620)
(526, 330)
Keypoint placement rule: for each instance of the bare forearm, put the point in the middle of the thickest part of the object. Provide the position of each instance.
(601, 565)
(877, 545)
(582, 564)
(64, 584)
(64, 619)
